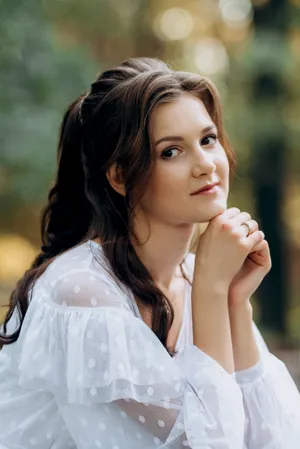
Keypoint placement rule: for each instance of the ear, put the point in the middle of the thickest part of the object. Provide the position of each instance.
(115, 179)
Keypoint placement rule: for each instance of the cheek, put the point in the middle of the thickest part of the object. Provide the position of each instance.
(167, 179)
(166, 183)
(222, 165)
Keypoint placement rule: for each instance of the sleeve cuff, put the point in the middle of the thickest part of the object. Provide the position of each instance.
(250, 375)
(199, 367)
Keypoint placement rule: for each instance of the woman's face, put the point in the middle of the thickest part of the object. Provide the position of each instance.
(188, 157)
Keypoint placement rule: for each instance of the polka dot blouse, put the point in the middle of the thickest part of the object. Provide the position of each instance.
(87, 373)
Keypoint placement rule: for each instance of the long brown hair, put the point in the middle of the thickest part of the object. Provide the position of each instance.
(109, 125)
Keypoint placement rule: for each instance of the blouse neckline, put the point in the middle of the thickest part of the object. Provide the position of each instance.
(137, 311)
(183, 315)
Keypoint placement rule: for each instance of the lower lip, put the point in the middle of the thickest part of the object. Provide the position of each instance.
(211, 191)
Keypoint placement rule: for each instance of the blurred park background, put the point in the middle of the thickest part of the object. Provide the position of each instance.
(51, 50)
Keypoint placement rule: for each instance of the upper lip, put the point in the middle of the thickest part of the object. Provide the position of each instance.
(206, 187)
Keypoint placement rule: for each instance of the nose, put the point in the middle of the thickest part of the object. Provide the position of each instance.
(203, 163)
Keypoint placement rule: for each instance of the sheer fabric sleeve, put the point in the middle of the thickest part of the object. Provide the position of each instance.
(271, 401)
(114, 382)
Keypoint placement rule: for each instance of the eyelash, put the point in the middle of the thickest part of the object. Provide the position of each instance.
(214, 136)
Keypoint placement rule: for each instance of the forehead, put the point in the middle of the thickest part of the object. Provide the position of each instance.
(183, 115)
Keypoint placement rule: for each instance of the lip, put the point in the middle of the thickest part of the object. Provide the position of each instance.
(208, 187)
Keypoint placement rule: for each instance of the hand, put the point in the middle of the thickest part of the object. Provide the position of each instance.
(223, 248)
(254, 269)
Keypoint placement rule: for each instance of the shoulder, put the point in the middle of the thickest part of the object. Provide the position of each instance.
(81, 277)
(79, 257)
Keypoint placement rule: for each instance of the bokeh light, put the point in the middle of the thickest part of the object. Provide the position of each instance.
(174, 24)
(211, 57)
(236, 13)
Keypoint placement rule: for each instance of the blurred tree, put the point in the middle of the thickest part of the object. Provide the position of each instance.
(39, 77)
(114, 30)
(269, 151)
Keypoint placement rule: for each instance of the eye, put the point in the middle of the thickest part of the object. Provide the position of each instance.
(166, 153)
(209, 140)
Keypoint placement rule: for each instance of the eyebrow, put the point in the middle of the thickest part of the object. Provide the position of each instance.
(180, 139)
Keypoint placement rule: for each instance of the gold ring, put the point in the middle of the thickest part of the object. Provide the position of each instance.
(249, 228)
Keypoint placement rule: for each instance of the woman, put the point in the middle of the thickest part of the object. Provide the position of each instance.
(126, 339)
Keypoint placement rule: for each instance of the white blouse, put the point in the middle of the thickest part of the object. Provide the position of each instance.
(87, 372)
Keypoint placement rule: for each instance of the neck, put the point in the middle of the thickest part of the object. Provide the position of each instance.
(165, 249)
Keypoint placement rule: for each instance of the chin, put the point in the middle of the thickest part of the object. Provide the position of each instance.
(212, 211)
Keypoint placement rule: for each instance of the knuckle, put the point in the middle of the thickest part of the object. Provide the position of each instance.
(228, 227)
(258, 236)
(224, 223)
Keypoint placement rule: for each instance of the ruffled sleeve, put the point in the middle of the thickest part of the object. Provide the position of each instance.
(114, 382)
(271, 401)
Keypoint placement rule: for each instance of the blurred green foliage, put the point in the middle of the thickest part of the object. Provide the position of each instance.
(39, 77)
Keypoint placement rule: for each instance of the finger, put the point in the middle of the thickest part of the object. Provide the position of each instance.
(255, 238)
(231, 213)
(224, 217)
(260, 246)
(245, 223)
(260, 255)
(248, 227)
(240, 218)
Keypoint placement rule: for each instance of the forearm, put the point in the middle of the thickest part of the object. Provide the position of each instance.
(211, 324)
(245, 350)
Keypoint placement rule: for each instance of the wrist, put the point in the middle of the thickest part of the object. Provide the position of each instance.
(245, 350)
(210, 288)
(241, 317)
(242, 309)
(207, 278)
